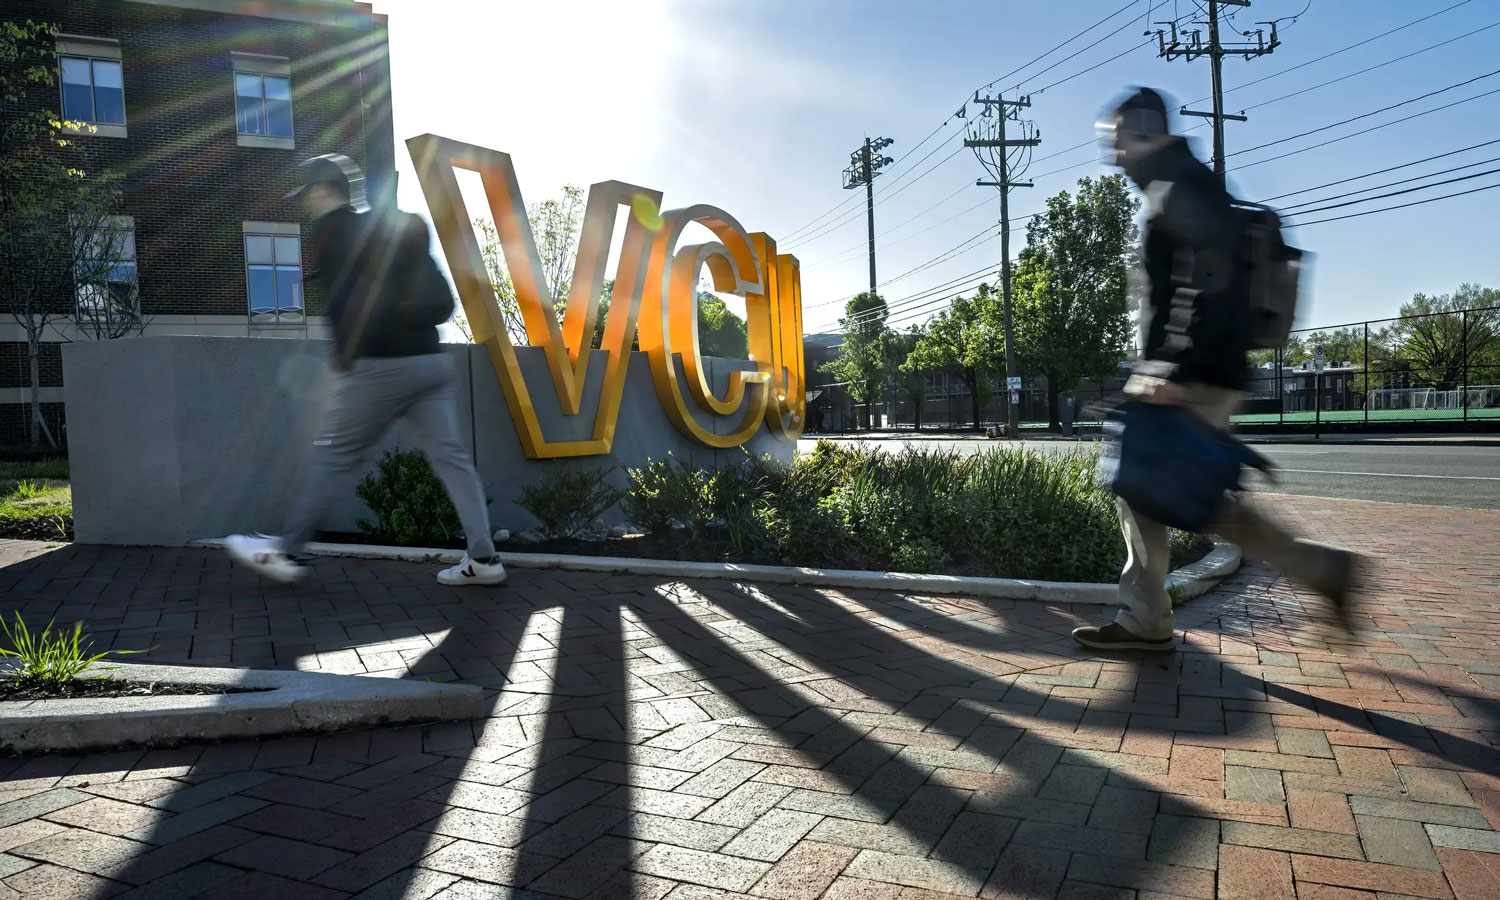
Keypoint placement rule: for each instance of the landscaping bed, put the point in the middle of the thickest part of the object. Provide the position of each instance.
(1005, 512)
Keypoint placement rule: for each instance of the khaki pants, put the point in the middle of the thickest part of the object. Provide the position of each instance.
(1146, 608)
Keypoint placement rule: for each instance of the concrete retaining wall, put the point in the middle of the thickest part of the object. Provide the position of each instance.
(175, 439)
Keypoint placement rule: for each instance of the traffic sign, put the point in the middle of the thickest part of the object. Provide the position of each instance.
(1013, 382)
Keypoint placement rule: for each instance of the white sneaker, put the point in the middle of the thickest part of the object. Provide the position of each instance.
(264, 555)
(470, 572)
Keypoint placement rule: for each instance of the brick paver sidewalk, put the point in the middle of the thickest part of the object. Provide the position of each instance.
(707, 740)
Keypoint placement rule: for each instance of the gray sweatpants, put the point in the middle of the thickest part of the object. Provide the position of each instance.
(1146, 607)
(362, 405)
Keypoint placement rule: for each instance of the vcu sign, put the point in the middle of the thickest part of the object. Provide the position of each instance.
(655, 293)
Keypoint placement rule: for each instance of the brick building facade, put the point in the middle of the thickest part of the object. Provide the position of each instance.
(221, 100)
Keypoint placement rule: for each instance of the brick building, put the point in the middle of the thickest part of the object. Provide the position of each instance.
(205, 107)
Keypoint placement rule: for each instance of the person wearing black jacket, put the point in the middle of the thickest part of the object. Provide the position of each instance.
(386, 299)
(1195, 335)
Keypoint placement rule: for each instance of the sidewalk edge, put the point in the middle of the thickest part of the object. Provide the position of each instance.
(1189, 581)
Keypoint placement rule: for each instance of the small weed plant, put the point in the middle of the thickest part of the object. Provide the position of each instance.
(51, 657)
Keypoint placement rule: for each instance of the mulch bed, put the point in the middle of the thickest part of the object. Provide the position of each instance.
(93, 688)
(38, 529)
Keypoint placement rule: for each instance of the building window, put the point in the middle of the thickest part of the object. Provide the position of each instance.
(263, 104)
(263, 100)
(104, 273)
(92, 84)
(273, 274)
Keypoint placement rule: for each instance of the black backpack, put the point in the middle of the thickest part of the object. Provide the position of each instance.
(1272, 275)
(423, 292)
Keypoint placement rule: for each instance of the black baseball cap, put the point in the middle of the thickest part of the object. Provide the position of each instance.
(333, 169)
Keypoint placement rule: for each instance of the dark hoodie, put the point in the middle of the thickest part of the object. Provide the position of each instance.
(1196, 326)
(376, 275)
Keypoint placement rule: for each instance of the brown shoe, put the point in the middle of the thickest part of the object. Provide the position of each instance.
(1115, 637)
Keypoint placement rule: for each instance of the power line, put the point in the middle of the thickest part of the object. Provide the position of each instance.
(1425, 112)
(1371, 212)
(1410, 190)
(1065, 43)
(1391, 184)
(1383, 171)
(799, 237)
(1334, 53)
(1382, 65)
(1374, 112)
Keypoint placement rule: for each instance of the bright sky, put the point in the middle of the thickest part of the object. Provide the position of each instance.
(755, 107)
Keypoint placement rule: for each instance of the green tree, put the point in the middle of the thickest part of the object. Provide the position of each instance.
(554, 226)
(1071, 291)
(1441, 341)
(910, 376)
(964, 340)
(58, 242)
(864, 356)
(720, 331)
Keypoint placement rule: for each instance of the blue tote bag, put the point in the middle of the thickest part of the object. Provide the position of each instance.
(1172, 466)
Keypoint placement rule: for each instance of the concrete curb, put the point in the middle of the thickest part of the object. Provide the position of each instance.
(1188, 582)
(291, 702)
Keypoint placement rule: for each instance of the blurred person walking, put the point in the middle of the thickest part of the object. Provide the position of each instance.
(386, 298)
(1197, 328)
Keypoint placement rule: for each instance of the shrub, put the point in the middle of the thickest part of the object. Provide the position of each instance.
(410, 505)
(50, 658)
(567, 500)
(667, 492)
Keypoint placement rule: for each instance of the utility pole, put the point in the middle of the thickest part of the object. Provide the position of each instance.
(864, 165)
(1215, 50)
(988, 132)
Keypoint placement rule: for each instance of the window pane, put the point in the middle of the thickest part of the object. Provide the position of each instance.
(278, 106)
(289, 288)
(247, 104)
(258, 249)
(262, 290)
(109, 93)
(77, 90)
(287, 253)
(279, 118)
(247, 85)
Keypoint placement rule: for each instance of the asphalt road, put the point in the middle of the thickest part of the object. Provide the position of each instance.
(1461, 477)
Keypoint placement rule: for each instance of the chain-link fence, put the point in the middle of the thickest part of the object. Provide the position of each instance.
(1437, 367)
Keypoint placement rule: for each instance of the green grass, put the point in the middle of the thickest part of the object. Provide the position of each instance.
(35, 508)
(1376, 415)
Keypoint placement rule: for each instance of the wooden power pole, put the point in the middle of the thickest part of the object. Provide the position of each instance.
(1194, 47)
(994, 139)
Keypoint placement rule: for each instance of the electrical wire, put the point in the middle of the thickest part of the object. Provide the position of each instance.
(1375, 112)
(1334, 53)
(1296, 206)
(1411, 190)
(1371, 212)
(1426, 112)
(1383, 171)
(1065, 43)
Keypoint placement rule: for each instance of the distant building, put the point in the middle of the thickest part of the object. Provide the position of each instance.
(1301, 388)
(206, 107)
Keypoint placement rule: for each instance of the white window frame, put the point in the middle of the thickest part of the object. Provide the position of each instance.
(126, 254)
(275, 318)
(259, 64)
(92, 49)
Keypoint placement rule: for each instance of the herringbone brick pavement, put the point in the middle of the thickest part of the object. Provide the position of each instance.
(711, 740)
